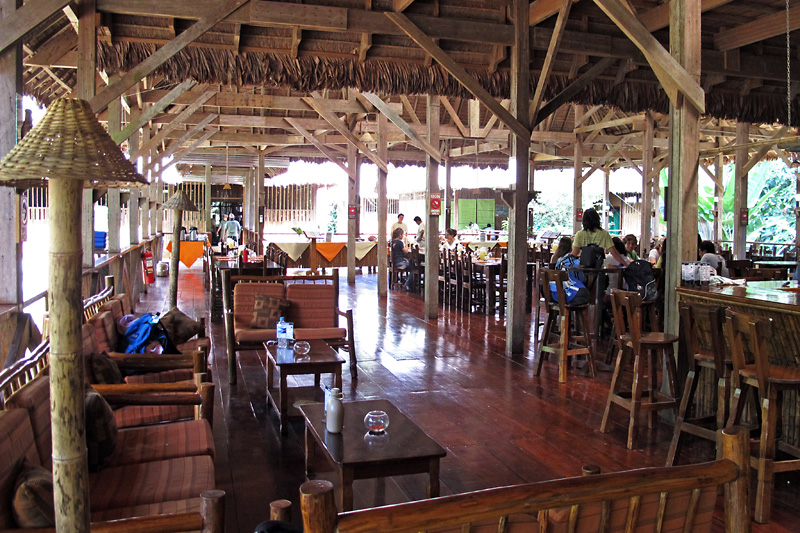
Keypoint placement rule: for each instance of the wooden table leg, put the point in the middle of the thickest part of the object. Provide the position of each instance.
(310, 451)
(270, 373)
(284, 391)
(490, 301)
(433, 478)
(316, 380)
(346, 503)
(337, 379)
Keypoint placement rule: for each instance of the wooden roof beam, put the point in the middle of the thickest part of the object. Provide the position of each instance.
(658, 17)
(189, 149)
(223, 9)
(321, 147)
(400, 5)
(416, 139)
(573, 89)
(454, 115)
(123, 135)
(552, 51)
(673, 77)
(458, 72)
(174, 146)
(541, 10)
(757, 30)
(609, 155)
(177, 121)
(32, 13)
(316, 104)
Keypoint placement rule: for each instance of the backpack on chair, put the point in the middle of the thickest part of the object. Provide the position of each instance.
(592, 256)
(639, 277)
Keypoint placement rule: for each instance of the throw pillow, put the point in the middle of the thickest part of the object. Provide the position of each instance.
(33, 497)
(267, 311)
(179, 326)
(101, 430)
(105, 369)
(123, 322)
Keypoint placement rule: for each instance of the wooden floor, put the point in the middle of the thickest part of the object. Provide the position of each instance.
(499, 423)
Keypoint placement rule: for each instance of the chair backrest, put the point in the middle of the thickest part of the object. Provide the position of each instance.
(748, 338)
(702, 332)
(558, 277)
(738, 267)
(627, 306)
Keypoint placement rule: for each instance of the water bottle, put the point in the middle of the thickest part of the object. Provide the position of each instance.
(334, 421)
(280, 333)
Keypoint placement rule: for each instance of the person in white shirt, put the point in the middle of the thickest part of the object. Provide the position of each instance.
(711, 257)
(655, 253)
(450, 240)
(401, 225)
(420, 230)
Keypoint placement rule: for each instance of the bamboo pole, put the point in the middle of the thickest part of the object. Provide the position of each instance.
(173, 262)
(70, 465)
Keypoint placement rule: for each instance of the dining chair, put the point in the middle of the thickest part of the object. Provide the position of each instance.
(701, 332)
(640, 348)
(748, 339)
(473, 288)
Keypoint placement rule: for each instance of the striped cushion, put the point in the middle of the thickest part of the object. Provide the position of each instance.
(313, 305)
(104, 369)
(105, 332)
(89, 347)
(301, 334)
(192, 345)
(101, 430)
(33, 497)
(35, 398)
(16, 444)
(124, 299)
(173, 479)
(167, 376)
(163, 441)
(150, 509)
(142, 415)
(115, 308)
(244, 297)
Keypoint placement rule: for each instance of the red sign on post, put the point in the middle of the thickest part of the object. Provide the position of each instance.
(436, 203)
(579, 214)
(351, 211)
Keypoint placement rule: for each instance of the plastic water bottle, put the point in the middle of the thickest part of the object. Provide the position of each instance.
(334, 421)
(280, 333)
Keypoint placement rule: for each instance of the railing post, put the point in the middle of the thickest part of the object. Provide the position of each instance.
(735, 447)
(213, 511)
(318, 507)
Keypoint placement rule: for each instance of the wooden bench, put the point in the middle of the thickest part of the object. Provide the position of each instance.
(680, 498)
(314, 310)
(158, 478)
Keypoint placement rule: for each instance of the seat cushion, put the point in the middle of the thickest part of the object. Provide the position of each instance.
(149, 509)
(33, 497)
(35, 399)
(105, 332)
(244, 299)
(192, 345)
(101, 430)
(143, 415)
(127, 306)
(144, 483)
(104, 369)
(180, 327)
(115, 308)
(163, 441)
(313, 305)
(267, 311)
(17, 444)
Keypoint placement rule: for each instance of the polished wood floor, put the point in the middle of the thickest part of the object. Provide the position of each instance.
(499, 424)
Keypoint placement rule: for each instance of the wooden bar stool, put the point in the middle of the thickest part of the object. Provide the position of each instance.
(644, 394)
(702, 330)
(748, 339)
(559, 309)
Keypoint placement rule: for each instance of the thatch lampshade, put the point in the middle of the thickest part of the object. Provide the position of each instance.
(180, 202)
(71, 150)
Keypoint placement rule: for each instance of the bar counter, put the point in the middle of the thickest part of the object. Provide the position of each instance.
(778, 300)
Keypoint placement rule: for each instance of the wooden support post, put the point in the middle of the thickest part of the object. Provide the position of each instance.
(209, 225)
(740, 191)
(352, 195)
(684, 157)
(133, 199)
(383, 206)
(606, 203)
(719, 171)
(432, 223)
(213, 510)
(646, 234)
(577, 196)
(174, 261)
(318, 506)
(70, 465)
(736, 448)
(87, 67)
(260, 202)
(520, 150)
(447, 201)
(114, 213)
(10, 93)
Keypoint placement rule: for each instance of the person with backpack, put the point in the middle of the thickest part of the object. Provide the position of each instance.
(593, 234)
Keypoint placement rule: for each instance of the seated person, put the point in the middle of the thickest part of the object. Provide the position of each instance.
(655, 254)
(612, 262)
(630, 243)
(563, 249)
(400, 259)
(708, 253)
(450, 240)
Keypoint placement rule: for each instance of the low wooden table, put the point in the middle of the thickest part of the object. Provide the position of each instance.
(403, 449)
(321, 359)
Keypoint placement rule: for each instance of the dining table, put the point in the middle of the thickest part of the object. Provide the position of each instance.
(490, 268)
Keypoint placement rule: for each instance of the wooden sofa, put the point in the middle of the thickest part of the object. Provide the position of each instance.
(314, 310)
(681, 498)
(159, 478)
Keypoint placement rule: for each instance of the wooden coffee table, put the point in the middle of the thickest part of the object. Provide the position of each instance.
(404, 449)
(321, 359)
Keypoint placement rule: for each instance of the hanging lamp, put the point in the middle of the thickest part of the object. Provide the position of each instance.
(227, 185)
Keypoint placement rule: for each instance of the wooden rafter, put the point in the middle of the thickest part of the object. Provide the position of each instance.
(458, 72)
(658, 17)
(757, 30)
(673, 77)
(189, 149)
(177, 121)
(552, 51)
(416, 139)
(327, 152)
(338, 125)
(541, 10)
(759, 155)
(603, 160)
(152, 111)
(574, 88)
(99, 102)
(175, 146)
(32, 13)
(454, 115)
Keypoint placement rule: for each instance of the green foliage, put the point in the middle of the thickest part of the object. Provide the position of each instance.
(333, 216)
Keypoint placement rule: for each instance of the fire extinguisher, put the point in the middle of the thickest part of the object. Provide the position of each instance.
(148, 267)
(245, 253)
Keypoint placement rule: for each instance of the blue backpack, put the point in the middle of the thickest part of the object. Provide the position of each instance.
(568, 262)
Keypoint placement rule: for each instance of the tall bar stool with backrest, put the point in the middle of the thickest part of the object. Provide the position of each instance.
(644, 394)
(453, 279)
(748, 338)
(702, 333)
(558, 309)
(473, 288)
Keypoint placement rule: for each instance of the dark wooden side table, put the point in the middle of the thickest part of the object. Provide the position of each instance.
(321, 359)
(403, 448)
